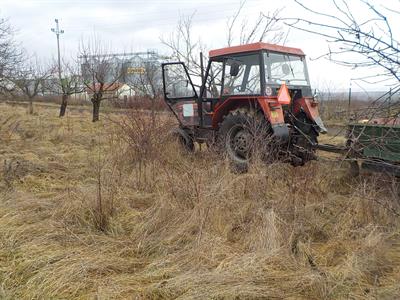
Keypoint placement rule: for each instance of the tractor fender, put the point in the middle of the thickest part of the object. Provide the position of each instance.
(310, 107)
(230, 104)
(273, 112)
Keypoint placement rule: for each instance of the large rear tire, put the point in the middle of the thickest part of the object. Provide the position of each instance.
(303, 143)
(237, 136)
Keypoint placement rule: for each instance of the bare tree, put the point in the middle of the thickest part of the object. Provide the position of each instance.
(264, 28)
(186, 49)
(30, 80)
(365, 40)
(68, 84)
(10, 54)
(101, 72)
(147, 82)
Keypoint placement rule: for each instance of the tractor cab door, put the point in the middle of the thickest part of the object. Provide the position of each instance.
(211, 90)
(179, 93)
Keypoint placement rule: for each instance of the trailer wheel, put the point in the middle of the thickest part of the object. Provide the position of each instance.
(184, 138)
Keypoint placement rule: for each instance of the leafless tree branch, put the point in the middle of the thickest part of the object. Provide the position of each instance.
(101, 74)
(356, 42)
(11, 55)
(29, 80)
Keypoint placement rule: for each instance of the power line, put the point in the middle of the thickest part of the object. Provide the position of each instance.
(163, 21)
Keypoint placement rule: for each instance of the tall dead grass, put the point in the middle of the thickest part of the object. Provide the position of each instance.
(182, 226)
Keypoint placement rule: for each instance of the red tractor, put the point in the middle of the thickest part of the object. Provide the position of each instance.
(254, 97)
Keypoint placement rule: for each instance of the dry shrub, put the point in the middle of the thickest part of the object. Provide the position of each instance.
(78, 99)
(140, 103)
(145, 135)
(136, 142)
(261, 216)
(184, 226)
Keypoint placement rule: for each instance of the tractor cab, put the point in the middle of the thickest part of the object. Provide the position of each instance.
(260, 78)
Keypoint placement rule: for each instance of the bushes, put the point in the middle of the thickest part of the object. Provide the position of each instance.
(139, 103)
(176, 225)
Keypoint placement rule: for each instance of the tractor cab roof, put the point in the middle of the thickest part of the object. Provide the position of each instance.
(255, 47)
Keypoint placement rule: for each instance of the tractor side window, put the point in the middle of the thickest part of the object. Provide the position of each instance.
(242, 75)
(177, 83)
(214, 80)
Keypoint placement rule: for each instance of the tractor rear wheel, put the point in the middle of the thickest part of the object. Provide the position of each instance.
(237, 136)
(303, 145)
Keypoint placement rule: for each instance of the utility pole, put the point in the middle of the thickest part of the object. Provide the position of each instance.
(390, 102)
(349, 103)
(58, 31)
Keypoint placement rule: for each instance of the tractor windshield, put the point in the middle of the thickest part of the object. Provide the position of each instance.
(281, 68)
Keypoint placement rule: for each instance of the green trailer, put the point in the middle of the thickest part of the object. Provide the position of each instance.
(373, 141)
(376, 145)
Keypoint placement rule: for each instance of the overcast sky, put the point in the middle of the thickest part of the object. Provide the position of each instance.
(137, 25)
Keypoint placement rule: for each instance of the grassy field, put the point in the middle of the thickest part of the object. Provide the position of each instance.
(115, 210)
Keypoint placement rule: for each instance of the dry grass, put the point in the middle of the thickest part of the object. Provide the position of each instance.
(178, 226)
